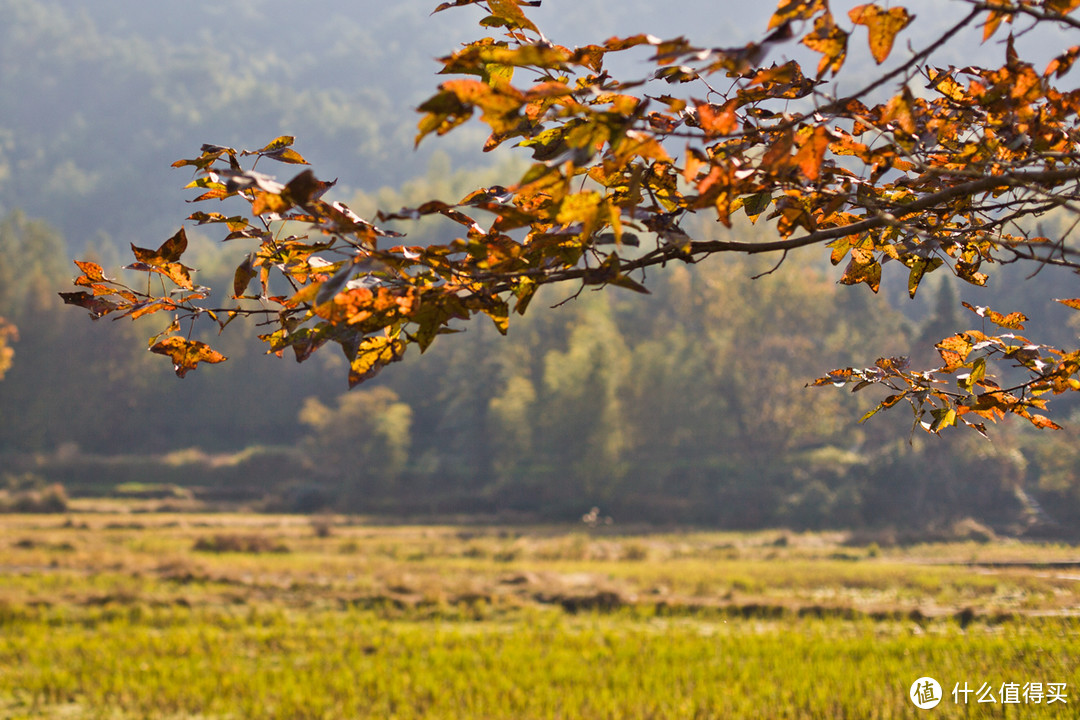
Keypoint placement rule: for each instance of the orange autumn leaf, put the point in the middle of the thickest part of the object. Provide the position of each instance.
(830, 41)
(883, 26)
(812, 153)
(186, 354)
(789, 10)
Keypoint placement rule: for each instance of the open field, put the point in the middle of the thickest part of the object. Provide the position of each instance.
(235, 616)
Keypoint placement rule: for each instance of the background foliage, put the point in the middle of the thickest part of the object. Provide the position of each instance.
(688, 405)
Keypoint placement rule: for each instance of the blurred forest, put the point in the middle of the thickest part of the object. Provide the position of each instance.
(688, 405)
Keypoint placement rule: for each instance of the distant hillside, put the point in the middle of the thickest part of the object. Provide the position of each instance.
(99, 98)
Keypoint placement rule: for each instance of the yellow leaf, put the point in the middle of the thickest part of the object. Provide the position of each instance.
(789, 10)
(883, 26)
(509, 11)
(279, 143)
(830, 41)
(581, 207)
(954, 351)
(372, 356)
(945, 84)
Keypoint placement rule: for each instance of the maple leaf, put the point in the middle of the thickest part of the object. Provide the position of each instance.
(169, 252)
(186, 354)
(883, 26)
(829, 40)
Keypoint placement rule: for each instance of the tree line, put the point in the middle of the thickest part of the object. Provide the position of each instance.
(688, 405)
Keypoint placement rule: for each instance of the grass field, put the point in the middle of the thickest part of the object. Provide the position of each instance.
(121, 615)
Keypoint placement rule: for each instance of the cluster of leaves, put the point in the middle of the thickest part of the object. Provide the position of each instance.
(942, 181)
(106, 296)
(977, 397)
(8, 334)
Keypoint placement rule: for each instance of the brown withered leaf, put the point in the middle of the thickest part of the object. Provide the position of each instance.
(269, 202)
(946, 84)
(186, 354)
(900, 111)
(993, 21)
(149, 308)
(454, 3)
(169, 252)
(306, 188)
(210, 155)
(235, 223)
(287, 155)
(778, 155)
(838, 378)
(245, 273)
(178, 273)
(616, 44)
(862, 268)
(1062, 7)
(95, 305)
(92, 271)
(280, 149)
(919, 268)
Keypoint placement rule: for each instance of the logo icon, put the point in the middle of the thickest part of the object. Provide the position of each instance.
(925, 693)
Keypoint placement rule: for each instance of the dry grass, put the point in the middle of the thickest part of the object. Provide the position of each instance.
(217, 557)
(128, 615)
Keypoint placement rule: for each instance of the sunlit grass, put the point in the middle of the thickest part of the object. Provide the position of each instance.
(273, 663)
(121, 616)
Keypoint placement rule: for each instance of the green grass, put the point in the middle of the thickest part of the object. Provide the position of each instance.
(122, 617)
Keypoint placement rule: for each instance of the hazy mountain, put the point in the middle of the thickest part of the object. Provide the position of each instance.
(99, 98)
